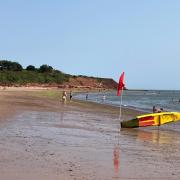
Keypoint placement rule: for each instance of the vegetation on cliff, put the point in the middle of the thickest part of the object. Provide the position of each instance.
(12, 73)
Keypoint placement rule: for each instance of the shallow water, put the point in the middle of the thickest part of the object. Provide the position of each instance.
(86, 145)
(140, 100)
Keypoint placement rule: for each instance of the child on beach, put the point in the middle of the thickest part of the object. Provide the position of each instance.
(64, 96)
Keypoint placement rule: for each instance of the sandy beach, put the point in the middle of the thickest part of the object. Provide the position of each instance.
(40, 138)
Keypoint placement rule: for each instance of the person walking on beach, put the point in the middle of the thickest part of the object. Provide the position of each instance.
(64, 96)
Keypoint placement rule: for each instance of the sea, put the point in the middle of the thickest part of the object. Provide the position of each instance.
(142, 100)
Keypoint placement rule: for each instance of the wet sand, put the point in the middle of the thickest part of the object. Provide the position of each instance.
(42, 139)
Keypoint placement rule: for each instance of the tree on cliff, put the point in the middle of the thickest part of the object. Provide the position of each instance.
(10, 66)
(30, 68)
(45, 68)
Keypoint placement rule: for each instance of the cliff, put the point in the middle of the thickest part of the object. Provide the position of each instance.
(91, 83)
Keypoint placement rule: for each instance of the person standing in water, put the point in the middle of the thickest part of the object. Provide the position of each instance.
(154, 109)
(87, 96)
(103, 98)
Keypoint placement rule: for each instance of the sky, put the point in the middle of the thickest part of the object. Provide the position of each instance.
(99, 38)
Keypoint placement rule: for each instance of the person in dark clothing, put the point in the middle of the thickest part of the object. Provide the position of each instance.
(87, 96)
(154, 109)
(70, 95)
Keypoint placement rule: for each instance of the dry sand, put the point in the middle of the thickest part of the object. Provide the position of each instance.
(42, 139)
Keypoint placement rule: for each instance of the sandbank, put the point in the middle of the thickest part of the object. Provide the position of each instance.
(40, 138)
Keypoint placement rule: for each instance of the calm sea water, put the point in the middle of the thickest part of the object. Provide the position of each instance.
(140, 100)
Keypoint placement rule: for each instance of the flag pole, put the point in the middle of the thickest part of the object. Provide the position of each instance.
(119, 89)
(120, 108)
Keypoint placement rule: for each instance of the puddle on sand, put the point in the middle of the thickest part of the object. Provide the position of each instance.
(92, 143)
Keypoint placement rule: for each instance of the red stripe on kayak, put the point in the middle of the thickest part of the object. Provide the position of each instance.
(146, 118)
(148, 123)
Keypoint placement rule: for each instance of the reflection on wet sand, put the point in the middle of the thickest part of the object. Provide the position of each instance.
(116, 155)
(63, 109)
(155, 149)
(62, 113)
(155, 136)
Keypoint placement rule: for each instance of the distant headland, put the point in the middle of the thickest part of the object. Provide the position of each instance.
(13, 74)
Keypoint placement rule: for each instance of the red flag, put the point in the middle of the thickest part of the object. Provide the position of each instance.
(121, 84)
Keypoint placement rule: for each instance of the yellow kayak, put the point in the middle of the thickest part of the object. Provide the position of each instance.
(155, 119)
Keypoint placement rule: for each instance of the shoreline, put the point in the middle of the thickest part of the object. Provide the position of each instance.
(126, 111)
(124, 107)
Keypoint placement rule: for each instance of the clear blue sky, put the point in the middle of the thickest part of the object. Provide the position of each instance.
(96, 38)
